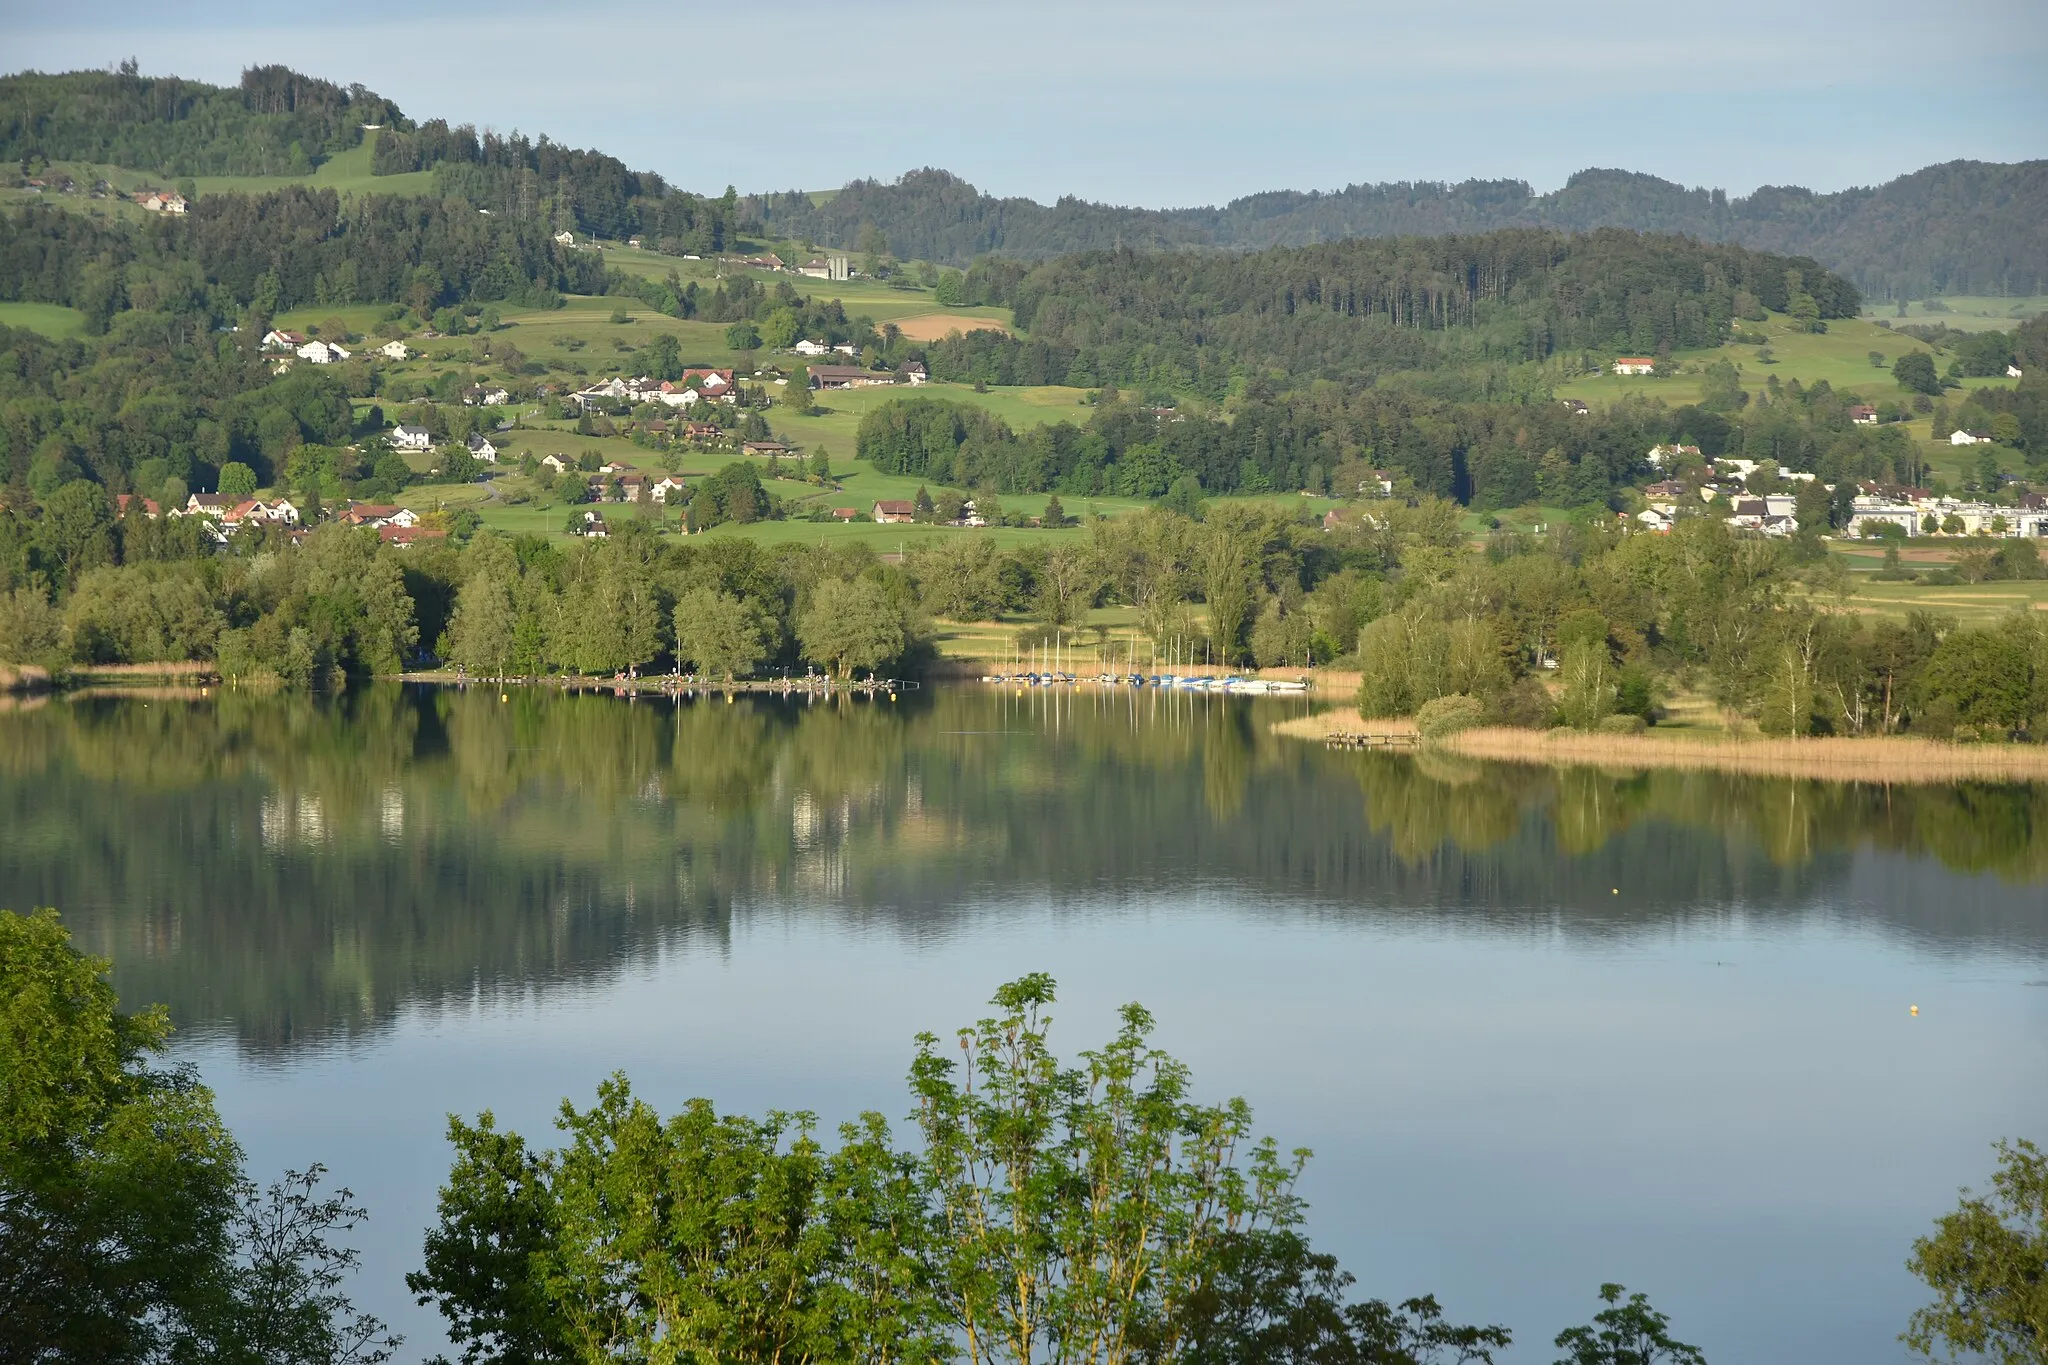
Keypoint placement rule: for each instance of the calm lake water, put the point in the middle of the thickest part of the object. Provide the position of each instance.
(1541, 1029)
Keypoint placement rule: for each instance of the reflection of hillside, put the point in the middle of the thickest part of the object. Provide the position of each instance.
(302, 869)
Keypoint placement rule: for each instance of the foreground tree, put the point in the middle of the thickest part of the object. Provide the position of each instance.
(127, 1231)
(1079, 1210)
(1626, 1332)
(1987, 1263)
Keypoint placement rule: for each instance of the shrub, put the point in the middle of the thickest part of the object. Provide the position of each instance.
(1448, 715)
(1621, 725)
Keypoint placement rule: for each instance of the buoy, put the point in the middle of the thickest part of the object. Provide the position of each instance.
(1913, 1010)
(728, 699)
(1617, 891)
(503, 696)
(892, 696)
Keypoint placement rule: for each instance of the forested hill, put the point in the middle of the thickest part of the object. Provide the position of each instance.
(1371, 307)
(1961, 227)
(277, 122)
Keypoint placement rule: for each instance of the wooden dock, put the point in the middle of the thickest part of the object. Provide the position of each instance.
(1407, 739)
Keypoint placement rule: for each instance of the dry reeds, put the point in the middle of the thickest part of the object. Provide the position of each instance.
(1890, 759)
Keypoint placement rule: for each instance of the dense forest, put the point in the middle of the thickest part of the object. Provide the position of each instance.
(1961, 227)
(277, 122)
(1358, 310)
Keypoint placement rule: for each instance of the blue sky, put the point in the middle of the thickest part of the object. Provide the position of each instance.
(1158, 104)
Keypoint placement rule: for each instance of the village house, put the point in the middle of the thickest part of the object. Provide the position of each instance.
(2014, 372)
(395, 350)
(768, 449)
(1635, 364)
(322, 353)
(1666, 490)
(405, 537)
(827, 268)
(914, 371)
(711, 383)
(666, 487)
(480, 448)
(559, 463)
(214, 505)
(276, 340)
(1770, 515)
(893, 512)
(1863, 415)
(675, 395)
(124, 503)
(846, 514)
(808, 347)
(848, 377)
(768, 262)
(1575, 406)
(1875, 511)
(703, 431)
(565, 238)
(1662, 455)
(633, 242)
(377, 515)
(1657, 519)
(157, 202)
(631, 487)
(1960, 437)
(408, 437)
(593, 525)
(481, 396)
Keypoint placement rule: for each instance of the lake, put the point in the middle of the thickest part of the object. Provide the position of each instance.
(1542, 1029)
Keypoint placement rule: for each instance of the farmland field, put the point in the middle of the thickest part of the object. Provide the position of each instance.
(935, 326)
(1968, 312)
(51, 319)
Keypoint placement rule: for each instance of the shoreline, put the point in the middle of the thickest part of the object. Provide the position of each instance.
(1888, 759)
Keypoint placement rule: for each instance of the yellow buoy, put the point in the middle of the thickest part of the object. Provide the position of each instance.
(728, 699)
(892, 696)
(1913, 1010)
(504, 696)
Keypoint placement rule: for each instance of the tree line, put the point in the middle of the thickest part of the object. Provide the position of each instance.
(1961, 227)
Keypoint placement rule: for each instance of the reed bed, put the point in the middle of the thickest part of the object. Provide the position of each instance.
(1889, 759)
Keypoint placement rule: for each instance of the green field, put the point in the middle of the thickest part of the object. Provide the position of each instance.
(1969, 312)
(51, 319)
(348, 173)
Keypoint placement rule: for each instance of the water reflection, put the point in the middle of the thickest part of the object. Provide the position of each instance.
(294, 870)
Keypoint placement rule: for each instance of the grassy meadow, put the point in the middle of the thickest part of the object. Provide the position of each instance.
(1840, 355)
(51, 319)
(1968, 312)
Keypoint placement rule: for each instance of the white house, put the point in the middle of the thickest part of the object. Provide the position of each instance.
(485, 396)
(1661, 455)
(161, 203)
(2013, 372)
(278, 340)
(395, 350)
(1658, 519)
(810, 347)
(1635, 364)
(664, 487)
(412, 438)
(322, 353)
(1873, 511)
(1959, 437)
(565, 238)
(480, 448)
(675, 395)
(915, 372)
(558, 463)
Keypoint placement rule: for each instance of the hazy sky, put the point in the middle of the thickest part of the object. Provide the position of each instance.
(1153, 103)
